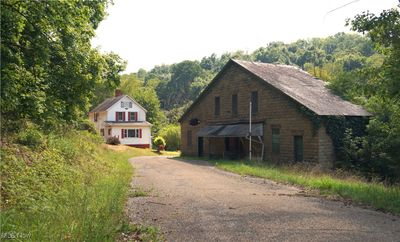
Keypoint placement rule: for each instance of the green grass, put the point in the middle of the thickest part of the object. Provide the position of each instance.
(135, 232)
(139, 192)
(66, 187)
(377, 195)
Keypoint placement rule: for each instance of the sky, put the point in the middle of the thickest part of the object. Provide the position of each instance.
(147, 33)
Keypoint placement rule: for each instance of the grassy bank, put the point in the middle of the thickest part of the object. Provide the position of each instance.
(63, 187)
(348, 187)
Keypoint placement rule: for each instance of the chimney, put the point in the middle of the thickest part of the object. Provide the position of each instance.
(118, 92)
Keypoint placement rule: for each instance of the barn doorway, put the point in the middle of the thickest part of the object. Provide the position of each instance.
(200, 146)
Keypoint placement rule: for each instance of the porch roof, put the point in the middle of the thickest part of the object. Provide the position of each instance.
(231, 130)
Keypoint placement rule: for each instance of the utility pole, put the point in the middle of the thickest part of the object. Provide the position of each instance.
(250, 133)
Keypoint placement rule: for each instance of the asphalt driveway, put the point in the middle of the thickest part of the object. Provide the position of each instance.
(193, 201)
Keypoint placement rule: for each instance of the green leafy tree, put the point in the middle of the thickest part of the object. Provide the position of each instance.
(48, 68)
(382, 90)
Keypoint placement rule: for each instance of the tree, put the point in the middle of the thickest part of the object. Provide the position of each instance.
(382, 144)
(384, 31)
(48, 68)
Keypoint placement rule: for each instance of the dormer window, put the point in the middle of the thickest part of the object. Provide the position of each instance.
(126, 104)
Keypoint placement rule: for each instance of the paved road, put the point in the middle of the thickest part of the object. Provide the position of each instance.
(193, 201)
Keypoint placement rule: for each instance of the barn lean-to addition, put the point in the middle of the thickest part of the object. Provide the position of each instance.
(122, 117)
(217, 123)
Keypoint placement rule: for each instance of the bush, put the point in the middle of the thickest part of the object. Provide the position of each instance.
(159, 141)
(87, 125)
(172, 136)
(30, 137)
(113, 141)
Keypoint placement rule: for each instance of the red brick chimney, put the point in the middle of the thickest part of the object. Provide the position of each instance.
(118, 92)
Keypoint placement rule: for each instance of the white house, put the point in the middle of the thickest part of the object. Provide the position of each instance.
(122, 117)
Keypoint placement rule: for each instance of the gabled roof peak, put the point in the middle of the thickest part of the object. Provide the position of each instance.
(106, 104)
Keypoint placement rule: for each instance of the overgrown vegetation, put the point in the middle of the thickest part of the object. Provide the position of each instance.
(172, 136)
(375, 194)
(65, 187)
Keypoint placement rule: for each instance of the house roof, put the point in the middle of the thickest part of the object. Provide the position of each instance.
(296, 84)
(303, 88)
(106, 104)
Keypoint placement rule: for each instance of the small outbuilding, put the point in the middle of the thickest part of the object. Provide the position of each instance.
(217, 124)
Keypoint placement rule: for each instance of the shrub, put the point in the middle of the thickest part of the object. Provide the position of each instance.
(87, 125)
(172, 136)
(30, 137)
(159, 141)
(113, 141)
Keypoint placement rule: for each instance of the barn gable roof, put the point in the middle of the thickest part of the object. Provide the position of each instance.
(303, 88)
(296, 84)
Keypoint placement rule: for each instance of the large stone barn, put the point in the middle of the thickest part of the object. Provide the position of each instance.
(284, 99)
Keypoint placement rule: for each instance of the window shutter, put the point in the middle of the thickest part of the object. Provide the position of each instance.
(116, 116)
(129, 116)
(123, 116)
(136, 116)
(140, 133)
(122, 133)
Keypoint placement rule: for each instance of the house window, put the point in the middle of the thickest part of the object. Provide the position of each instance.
(133, 116)
(96, 116)
(119, 116)
(298, 147)
(126, 104)
(254, 102)
(234, 104)
(189, 138)
(131, 133)
(102, 132)
(109, 131)
(275, 140)
(217, 106)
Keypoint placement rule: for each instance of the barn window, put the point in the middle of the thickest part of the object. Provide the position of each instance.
(189, 138)
(109, 131)
(96, 116)
(298, 147)
(102, 132)
(234, 104)
(254, 102)
(275, 140)
(217, 106)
